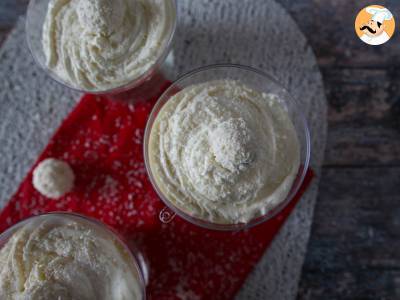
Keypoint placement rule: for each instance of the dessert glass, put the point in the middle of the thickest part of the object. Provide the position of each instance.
(259, 81)
(138, 265)
(36, 14)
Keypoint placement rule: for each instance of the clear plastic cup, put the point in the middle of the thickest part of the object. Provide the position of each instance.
(36, 14)
(259, 81)
(136, 260)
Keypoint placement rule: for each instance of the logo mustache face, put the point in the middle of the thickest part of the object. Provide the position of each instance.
(368, 28)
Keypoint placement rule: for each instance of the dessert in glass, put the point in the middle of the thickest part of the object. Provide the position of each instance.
(101, 46)
(67, 256)
(226, 147)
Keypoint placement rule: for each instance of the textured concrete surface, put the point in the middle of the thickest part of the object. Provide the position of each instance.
(258, 33)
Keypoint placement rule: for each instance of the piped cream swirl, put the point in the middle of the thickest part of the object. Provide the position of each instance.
(223, 152)
(103, 44)
(66, 259)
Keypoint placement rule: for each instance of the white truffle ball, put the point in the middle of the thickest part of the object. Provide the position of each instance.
(53, 178)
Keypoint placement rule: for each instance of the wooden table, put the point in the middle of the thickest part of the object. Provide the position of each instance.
(354, 249)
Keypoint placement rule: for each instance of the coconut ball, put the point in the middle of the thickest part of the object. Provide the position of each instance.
(53, 178)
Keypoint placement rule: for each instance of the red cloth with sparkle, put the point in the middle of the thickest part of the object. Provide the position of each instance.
(102, 140)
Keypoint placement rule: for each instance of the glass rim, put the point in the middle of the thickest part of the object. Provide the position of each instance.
(298, 181)
(135, 82)
(63, 214)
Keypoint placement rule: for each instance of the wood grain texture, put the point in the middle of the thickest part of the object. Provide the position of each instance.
(329, 27)
(364, 116)
(362, 82)
(354, 250)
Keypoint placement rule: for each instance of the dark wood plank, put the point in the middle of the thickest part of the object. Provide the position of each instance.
(363, 96)
(364, 116)
(362, 82)
(329, 27)
(364, 146)
(354, 250)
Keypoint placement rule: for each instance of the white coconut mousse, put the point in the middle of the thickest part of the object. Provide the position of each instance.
(61, 258)
(223, 152)
(99, 45)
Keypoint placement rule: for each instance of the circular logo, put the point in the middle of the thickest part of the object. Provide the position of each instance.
(375, 25)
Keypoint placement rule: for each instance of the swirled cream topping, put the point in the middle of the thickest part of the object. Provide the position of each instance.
(223, 152)
(66, 260)
(98, 45)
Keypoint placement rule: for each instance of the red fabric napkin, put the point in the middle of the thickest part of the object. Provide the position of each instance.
(102, 141)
